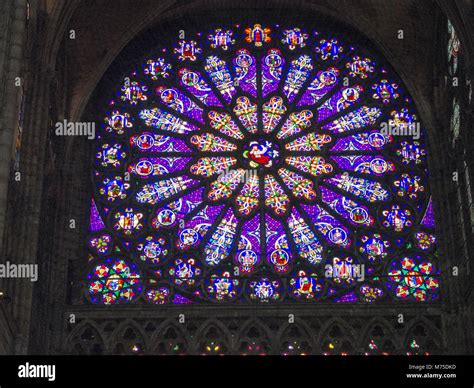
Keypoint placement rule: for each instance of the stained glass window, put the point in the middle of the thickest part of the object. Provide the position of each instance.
(261, 164)
(454, 46)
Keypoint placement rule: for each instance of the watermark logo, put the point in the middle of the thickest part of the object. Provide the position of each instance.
(30, 371)
(71, 128)
(244, 175)
(392, 128)
(9, 270)
(344, 271)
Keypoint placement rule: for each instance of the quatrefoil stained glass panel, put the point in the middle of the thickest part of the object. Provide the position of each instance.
(261, 164)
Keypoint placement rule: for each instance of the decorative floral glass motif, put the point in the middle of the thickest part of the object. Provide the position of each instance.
(231, 165)
(306, 286)
(264, 290)
(374, 247)
(360, 67)
(110, 155)
(409, 186)
(157, 68)
(413, 277)
(114, 281)
(117, 122)
(294, 38)
(187, 50)
(329, 49)
(222, 39)
(128, 221)
(101, 244)
(258, 35)
(385, 91)
(184, 272)
(370, 294)
(425, 241)
(114, 188)
(133, 93)
(158, 295)
(153, 250)
(222, 286)
(397, 218)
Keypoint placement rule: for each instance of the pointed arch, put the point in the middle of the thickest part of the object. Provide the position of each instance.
(128, 338)
(214, 338)
(254, 337)
(85, 339)
(337, 337)
(296, 338)
(169, 338)
(421, 336)
(379, 337)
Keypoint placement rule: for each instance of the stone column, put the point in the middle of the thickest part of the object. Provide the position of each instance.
(12, 46)
(12, 29)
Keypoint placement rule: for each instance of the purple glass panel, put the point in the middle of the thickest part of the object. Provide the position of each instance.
(96, 222)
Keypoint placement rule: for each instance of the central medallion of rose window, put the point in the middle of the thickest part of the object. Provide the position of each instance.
(261, 153)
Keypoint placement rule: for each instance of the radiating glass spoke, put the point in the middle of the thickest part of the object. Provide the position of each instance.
(324, 82)
(198, 87)
(309, 142)
(207, 142)
(307, 244)
(363, 188)
(219, 74)
(209, 166)
(360, 118)
(174, 99)
(334, 232)
(314, 165)
(160, 119)
(153, 193)
(193, 231)
(223, 123)
(218, 247)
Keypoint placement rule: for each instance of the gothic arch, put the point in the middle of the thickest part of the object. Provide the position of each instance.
(128, 338)
(337, 337)
(254, 338)
(296, 339)
(379, 337)
(214, 338)
(421, 336)
(346, 342)
(169, 338)
(86, 338)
